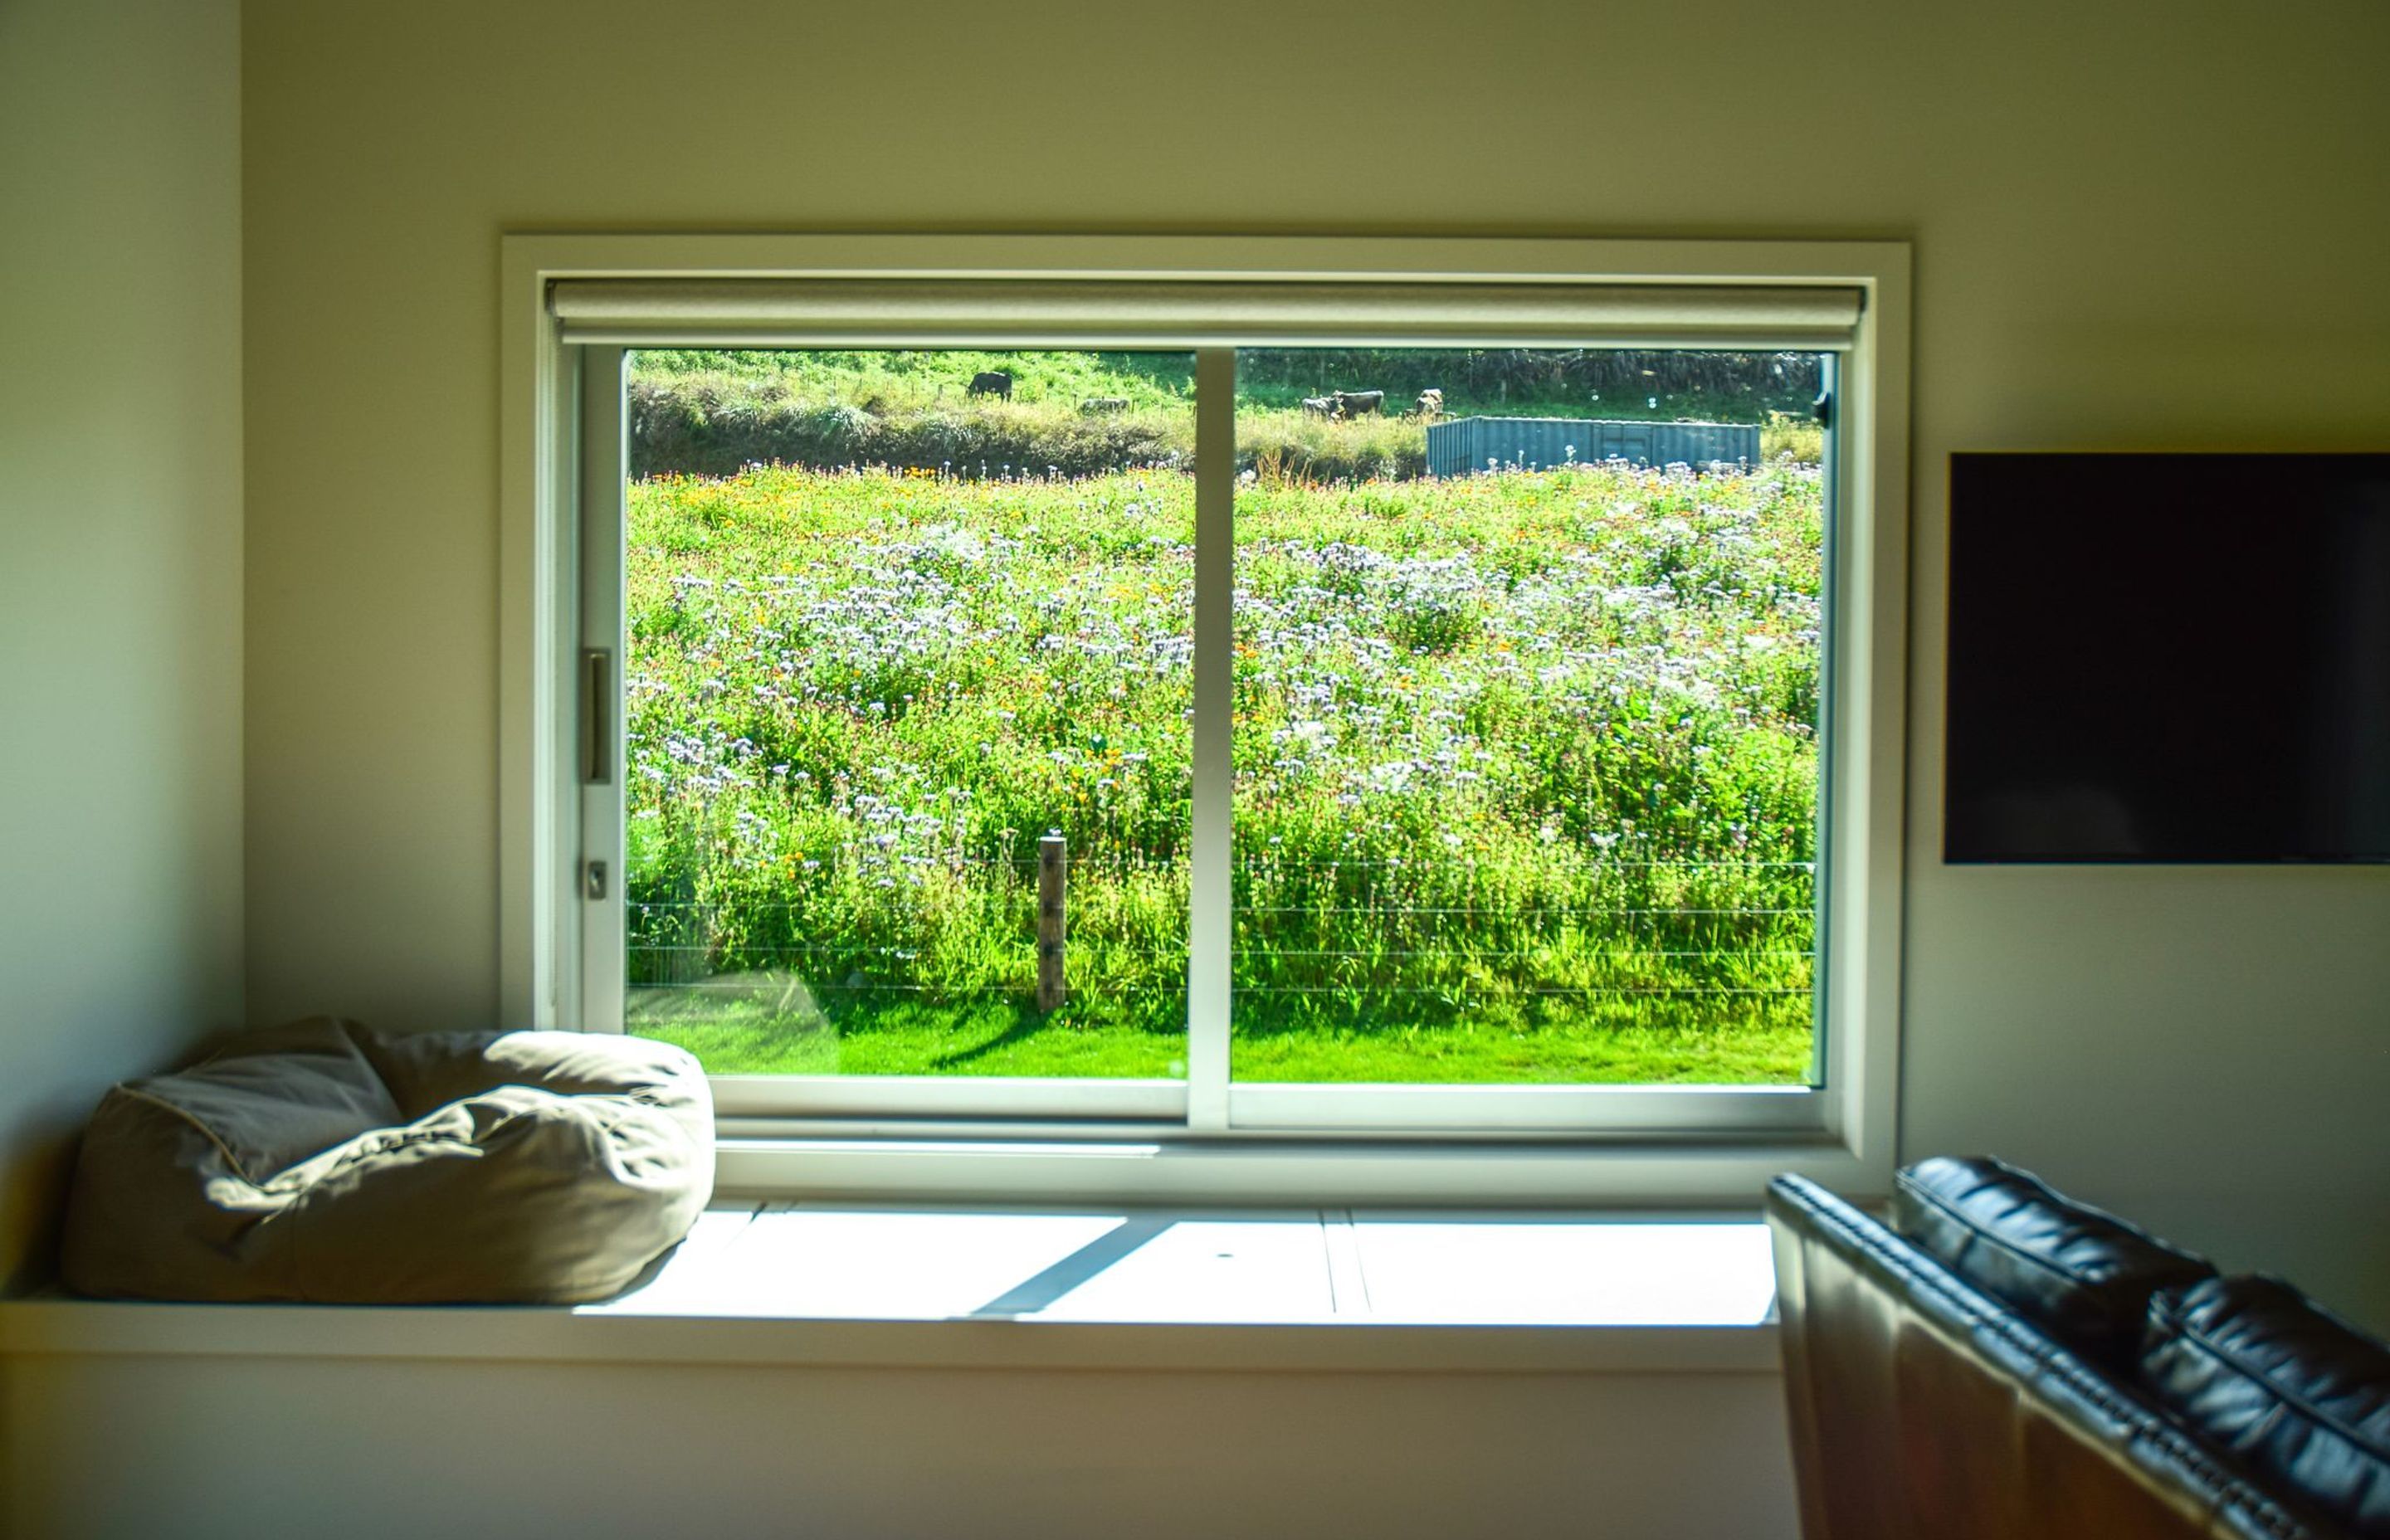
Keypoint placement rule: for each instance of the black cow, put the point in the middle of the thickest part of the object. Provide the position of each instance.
(1359, 404)
(992, 382)
(1319, 406)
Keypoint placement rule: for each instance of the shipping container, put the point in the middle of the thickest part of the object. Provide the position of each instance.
(1471, 444)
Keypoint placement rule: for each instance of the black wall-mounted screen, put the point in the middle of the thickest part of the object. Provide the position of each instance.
(2168, 658)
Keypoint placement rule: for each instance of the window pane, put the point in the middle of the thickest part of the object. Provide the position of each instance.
(1527, 716)
(894, 618)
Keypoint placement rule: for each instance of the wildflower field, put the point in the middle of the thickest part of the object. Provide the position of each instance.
(1526, 771)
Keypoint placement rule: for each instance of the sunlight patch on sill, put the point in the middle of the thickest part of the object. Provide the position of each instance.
(1130, 1265)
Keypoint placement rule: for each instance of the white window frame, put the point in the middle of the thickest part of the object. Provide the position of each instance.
(1114, 1140)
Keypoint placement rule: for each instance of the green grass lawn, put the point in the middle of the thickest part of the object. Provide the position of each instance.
(1009, 1037)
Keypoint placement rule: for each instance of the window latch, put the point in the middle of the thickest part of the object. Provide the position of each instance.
(593, 881)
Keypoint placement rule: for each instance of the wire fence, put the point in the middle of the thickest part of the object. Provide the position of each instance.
(1364, 939)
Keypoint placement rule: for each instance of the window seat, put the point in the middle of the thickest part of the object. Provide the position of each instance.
(1273, 1291)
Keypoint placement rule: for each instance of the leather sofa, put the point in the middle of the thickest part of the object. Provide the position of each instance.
(1997, 1361)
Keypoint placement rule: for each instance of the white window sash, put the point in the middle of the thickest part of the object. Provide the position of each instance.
(1210, 1101)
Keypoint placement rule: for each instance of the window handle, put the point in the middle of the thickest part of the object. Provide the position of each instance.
(596, 710)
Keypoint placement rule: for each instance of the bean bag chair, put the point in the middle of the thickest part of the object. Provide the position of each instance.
(322, 1161)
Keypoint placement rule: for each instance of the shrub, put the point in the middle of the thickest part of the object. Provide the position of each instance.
(717, 425)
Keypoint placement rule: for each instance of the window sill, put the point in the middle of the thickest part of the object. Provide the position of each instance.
(1278, 1293)
(862, 1161)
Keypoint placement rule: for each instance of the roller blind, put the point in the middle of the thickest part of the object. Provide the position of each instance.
(1140, 312)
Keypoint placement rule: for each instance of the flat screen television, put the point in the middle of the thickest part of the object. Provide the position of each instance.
(2168, 658)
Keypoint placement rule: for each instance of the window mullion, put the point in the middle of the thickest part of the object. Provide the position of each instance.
(596, 666)
(1208, 899)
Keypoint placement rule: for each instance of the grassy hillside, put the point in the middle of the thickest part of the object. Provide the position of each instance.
(1525, 772)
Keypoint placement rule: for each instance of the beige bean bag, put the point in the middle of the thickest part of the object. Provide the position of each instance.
(323, 1162)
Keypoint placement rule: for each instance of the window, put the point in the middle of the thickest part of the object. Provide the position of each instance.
(908, 647)
(1256, 701)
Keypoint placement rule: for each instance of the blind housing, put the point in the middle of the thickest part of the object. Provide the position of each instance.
(1042, 311)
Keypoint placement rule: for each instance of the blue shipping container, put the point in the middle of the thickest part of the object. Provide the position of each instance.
(1471, 444)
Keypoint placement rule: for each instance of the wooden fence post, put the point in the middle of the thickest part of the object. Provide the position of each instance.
(1051, 875)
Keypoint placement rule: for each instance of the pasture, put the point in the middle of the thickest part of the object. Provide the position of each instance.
(1525, 772)
(714, 414)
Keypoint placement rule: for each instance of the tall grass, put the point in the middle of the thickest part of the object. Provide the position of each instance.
(1526, 770)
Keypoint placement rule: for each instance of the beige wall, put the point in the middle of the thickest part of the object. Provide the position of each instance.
(243, 1448)
(2144, 223)
(119, 563)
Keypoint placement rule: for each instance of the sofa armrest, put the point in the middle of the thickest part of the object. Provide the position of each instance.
(1920, 1405)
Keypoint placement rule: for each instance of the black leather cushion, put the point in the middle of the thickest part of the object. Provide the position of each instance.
(2300, 1396)
(1922, 1408)
(2083, 1275)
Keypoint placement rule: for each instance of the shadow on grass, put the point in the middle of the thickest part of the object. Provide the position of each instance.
(1026, 1025)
